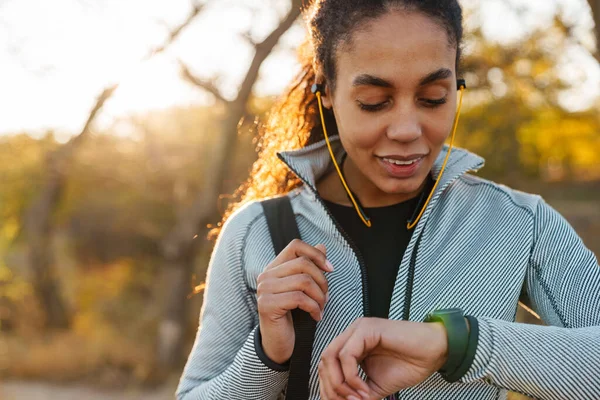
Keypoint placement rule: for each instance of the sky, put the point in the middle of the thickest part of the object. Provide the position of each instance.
(57, 56)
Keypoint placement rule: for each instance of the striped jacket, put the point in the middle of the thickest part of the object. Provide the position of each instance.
(476, 247)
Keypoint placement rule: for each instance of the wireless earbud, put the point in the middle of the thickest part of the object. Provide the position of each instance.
(318, 88)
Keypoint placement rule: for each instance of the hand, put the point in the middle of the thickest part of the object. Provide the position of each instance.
(295, 279)
(393, 354)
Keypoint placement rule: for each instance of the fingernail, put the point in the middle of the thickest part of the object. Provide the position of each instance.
(363, 394)
(329, 266)
(321, 316)
(327, 297)
(352, 398)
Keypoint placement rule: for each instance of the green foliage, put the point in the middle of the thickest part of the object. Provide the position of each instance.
(512, 116)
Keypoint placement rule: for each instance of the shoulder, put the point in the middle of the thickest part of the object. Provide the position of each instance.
(247, 226)
(246, 239)
(241, 221)
(498, 194)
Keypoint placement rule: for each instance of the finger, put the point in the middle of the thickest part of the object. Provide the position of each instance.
(298, 248)
(334, 378)
(331, 369)
(301, 282)
(348, 361)
(300, 265)
(322, 249)
(336, 344)
(326, 386)
(327, 393)
(278, 305)
(352, 352)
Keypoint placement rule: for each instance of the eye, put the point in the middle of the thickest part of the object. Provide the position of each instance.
(433, 103)
(372, 107)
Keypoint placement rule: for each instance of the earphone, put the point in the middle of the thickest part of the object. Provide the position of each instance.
(318, 89)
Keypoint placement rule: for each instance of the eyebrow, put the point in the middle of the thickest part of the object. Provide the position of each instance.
(440, 74)
(370, 80)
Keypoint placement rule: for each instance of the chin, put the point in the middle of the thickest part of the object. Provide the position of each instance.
(408, 186)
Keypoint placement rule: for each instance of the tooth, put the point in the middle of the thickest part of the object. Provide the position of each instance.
(398, 162)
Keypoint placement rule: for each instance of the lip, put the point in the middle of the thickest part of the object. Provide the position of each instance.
(404, 158)
(402, 171)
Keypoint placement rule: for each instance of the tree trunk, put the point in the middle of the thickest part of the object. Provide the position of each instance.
(176, 277)
(38, 224)
(39, 237)
(38, 218)
(179, 245)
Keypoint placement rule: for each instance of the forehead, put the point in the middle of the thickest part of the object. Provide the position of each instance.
(397, 45)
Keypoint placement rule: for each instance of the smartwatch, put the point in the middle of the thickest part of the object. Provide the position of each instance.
(457, 331)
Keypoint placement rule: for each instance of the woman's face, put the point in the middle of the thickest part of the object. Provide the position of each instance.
(394, 101)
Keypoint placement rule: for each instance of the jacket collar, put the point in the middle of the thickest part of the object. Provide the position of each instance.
(312, 162)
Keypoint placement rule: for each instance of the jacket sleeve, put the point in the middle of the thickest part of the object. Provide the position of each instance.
(559, 361)
(224, 363)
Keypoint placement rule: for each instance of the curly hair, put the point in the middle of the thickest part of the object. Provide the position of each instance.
(293, 122)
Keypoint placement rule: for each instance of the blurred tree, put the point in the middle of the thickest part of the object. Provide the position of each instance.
(38, 217)
(21, 172)
(595, 6)
(179, 246)
(38, 224)
(512, 107)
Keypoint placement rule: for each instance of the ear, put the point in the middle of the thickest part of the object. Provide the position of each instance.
(326, 95)
(326, 98)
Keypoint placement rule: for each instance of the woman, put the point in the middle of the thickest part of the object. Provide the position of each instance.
(393, 228)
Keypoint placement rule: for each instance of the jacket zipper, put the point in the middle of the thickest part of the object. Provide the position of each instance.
(353, 247)
(411, 277)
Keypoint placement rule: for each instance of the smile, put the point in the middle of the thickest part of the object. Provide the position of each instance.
(398, 162)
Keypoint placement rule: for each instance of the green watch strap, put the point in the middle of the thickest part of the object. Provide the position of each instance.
(464, 367)
(458, 336)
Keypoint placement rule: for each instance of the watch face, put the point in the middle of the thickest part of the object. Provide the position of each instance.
(447, 311)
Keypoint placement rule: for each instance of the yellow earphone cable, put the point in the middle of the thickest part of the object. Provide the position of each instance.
(366, 221)
(456, 118)
(363, 217)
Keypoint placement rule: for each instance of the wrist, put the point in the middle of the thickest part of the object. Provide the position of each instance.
(265, 358)
(442, 341)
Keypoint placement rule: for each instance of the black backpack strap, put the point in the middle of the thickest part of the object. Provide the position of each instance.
(281, 221)
(283, 229)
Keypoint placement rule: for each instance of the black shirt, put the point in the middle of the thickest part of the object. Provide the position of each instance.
(381, 246)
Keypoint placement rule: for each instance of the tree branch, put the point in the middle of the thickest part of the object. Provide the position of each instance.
(264, 48)
(203, 207)
(176, 32)
(108, 91)
(104, 96)
(595, 7)
(248, 38)
(201, 83)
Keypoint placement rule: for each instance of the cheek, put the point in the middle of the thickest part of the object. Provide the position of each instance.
(437, 130)
(358, 131)
(437, 126)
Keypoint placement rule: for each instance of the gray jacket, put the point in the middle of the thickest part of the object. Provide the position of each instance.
(476, 247)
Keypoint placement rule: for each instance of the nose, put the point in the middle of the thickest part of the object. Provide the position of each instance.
(404, 125)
